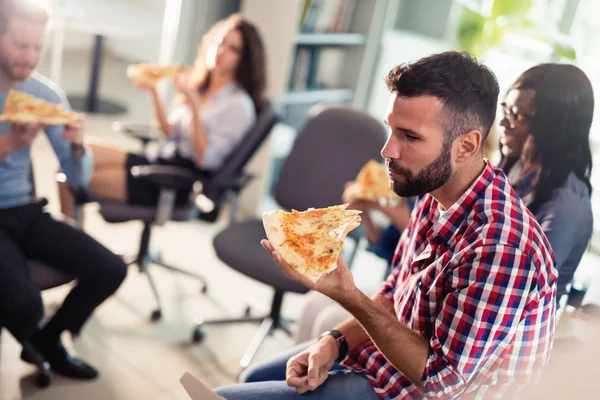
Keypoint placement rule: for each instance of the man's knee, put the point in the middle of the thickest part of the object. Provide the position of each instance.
(256, 374)
(108, 270)
(115, 272)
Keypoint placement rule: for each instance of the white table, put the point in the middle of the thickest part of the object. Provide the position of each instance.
(102, 19)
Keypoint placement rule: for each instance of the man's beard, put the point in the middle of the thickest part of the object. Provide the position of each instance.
(430, 178)
(11, 71)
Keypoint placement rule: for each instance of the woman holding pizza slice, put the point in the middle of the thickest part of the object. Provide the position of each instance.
(216, 106)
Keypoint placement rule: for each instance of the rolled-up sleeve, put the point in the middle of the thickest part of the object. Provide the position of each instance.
(78, 169)
(226, 129)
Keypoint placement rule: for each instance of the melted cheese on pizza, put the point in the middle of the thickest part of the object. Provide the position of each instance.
(21, 107)
(311, 241)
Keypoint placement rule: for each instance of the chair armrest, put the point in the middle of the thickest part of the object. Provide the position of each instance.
(143, 132)
(238, 183)
(83, 195)
(165, 176)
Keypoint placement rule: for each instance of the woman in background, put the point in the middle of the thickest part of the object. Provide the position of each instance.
(216, 106)
(546, 155)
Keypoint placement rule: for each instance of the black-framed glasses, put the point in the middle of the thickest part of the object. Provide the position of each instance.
(513, 114)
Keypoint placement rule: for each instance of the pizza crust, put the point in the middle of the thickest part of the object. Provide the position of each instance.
(153, 73)
(371, 184)
(310, 241)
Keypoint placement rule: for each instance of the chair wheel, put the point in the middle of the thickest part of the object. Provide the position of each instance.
(197, 335)
(156, 315)
(44, 377)
(247, 311)
(204, 289)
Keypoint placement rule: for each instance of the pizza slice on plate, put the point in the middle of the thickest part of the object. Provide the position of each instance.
(152, 73)
(23, 108)
(310, 241)
(371, 184)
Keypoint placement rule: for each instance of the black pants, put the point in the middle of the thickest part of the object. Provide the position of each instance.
(29, 233)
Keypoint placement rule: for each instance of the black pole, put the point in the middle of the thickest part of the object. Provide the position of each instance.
(91, 104)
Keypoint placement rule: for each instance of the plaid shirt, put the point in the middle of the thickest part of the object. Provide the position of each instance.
(478, 282)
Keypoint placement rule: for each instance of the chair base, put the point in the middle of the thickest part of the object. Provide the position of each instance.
(156, 260)
(145, 257)
(267, 325)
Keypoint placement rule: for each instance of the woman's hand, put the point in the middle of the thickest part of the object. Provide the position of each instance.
(144, 85)
(182, 83)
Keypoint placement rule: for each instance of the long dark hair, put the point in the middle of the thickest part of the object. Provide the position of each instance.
(559, 129)
(251, 72)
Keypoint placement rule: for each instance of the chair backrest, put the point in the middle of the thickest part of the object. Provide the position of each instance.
(236, 162)
(329, 151)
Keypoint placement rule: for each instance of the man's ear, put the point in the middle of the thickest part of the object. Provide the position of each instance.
(468, 145)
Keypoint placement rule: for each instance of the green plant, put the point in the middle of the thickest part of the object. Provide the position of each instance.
(480, 31)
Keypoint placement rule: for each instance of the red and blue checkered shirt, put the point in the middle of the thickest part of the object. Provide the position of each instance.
(478, 282)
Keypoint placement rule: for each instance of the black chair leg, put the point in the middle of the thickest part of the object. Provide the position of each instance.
(267, 325)
(157, 313)
(203, 284)
(264, 330)
(144, 259)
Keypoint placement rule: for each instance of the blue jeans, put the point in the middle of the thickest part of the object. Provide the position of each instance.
(267, 382)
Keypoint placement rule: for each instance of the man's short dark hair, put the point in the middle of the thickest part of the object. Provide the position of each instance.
(25, 9)
(468, 89)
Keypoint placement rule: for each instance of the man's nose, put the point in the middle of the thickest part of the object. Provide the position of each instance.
(391, 149)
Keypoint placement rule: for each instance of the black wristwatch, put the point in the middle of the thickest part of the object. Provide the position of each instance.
(341, 341)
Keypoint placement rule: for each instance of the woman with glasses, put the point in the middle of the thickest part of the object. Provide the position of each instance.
(546, 155)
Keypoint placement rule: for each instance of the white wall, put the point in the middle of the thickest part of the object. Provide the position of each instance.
(122, 18)
(398, 47)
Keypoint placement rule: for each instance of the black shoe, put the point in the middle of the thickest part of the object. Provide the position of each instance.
(60, 361)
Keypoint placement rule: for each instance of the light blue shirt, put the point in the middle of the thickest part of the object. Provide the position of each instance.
(566, 219)
(227, 116)
(15, 185)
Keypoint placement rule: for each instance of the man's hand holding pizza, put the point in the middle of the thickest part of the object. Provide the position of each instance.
(21, 135)
(334, 284)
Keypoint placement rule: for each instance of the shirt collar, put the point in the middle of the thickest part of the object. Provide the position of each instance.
(446, 225)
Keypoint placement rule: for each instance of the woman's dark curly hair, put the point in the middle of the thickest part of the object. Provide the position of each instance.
(251, 72)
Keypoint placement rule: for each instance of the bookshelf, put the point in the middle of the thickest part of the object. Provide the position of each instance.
(321, 50)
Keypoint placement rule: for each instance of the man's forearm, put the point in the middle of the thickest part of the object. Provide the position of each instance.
(354, 332)
(403, 348)
(5, 148)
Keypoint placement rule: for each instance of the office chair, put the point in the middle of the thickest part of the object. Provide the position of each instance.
(329, 151)
(207, 194)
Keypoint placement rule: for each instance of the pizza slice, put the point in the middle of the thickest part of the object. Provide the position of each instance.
(23, 108)
(310, 241)
(153, 73)
(371, 184)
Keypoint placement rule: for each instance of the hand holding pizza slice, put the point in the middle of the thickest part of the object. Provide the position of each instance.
(22, 108)
(310, 241)
(151, 74)
(371, 184)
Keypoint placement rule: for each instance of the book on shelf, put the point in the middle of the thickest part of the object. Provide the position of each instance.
(327, 16)
(316, 67)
